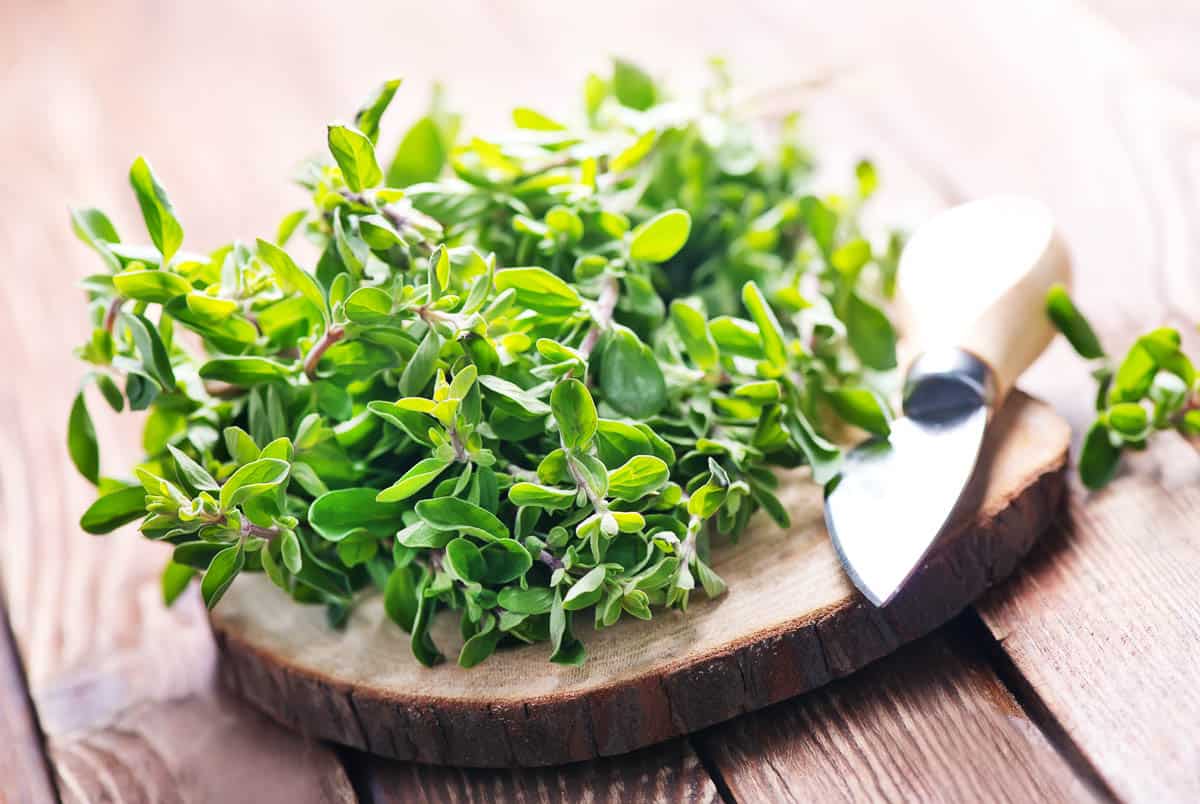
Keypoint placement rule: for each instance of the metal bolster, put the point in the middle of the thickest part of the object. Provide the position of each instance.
(942, 383)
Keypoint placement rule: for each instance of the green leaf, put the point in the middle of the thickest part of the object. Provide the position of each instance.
(289, 551)
(368, 305)
(149, 344)
(587, 590)
(110, 392)
(538, 289)
(769, 330)
(505, 560)
(292, 279)
(630, 377)
(81, 440)
(420, 156)
(481, 645)
(114, 509)
(1129, 420)
(692, 329)
(193, 473)
(712, 583)
(504, 392)
(370, 113)
(165, 231)
(420, 475)
(629, 158)
(337, 514)
(534, 600)
(355, 155)
(422, 366)
(95, 229)
(465, 561)
(575, 414)
(197, 555)
(538, 496)
(175, 579)
(220, 574)
(821, 223)
(158, 286)
(633, 86)
(639, 476)
(870, 334)
(534, 121)
(1099, 458)
(1135, 375)
(240, 445)
(400, 597)
(863, 408)
(660, 238)
(357, 548)
(256, 477)
(454, 514)
(421, 643)
(245, 371)
(737, 336)
(849, 258)
(288, 226)
(567, 649)
(868, 180)
(1072, 323)
(822, 456)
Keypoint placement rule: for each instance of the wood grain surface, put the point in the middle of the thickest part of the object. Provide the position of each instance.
(899, 731)
(668, 773)
(790, 622)
(1091, 106)
(23, 766)
(1105, 658)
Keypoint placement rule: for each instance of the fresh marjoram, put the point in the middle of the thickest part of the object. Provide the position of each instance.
(526, 378)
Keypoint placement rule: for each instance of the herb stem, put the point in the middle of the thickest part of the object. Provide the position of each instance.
(331, 336)
(550, 560)
(110, 315)
(605, 305)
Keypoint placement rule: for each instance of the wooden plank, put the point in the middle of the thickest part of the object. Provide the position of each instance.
(24, 774)
(666, 773)
(929, 723)
(1101, 623)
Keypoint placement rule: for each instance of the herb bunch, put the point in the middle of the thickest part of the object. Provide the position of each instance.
(1154, 387)
(529, 377)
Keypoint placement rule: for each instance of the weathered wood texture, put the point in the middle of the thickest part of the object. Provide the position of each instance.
(928, 723)
(24, 775)
(1041, 97)
(790, 622)
(1101, 625)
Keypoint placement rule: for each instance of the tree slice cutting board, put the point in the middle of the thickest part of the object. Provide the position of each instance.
(790, 622)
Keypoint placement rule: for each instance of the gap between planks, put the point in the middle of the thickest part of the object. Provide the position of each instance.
(25, 773)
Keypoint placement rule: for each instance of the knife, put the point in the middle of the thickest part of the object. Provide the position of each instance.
(972, 285)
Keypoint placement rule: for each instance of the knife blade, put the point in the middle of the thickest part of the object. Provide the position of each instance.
(973, 282)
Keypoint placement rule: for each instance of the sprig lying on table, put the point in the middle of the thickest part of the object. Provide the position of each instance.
(529, 376)
(1155, 387)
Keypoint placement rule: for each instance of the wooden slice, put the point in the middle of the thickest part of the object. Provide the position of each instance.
(790, 622)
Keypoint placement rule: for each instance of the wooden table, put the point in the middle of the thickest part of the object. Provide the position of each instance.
(1076, 679)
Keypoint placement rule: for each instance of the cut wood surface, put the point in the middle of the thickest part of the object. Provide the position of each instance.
(928, 723)
(1090, 106)
(790, 622)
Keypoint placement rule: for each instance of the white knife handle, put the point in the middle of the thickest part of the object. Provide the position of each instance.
(976, 276)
